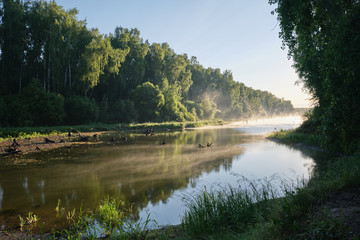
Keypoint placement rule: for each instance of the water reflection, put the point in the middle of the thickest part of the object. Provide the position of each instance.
(139, 171)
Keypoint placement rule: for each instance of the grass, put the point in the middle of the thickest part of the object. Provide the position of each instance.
(26, 132)
(107, 221)
(230, 211)
(258, 213)
(294, 137)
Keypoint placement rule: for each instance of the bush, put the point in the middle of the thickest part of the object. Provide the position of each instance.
(33, 107)
(3, 110)
(80, 110)
(148, 100)
(18, 113)
(49, 110)
(208, 108)
(123, 110)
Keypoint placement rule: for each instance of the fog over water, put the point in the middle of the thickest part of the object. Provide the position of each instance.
(156, 179)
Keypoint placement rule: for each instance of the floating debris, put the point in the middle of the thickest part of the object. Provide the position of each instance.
(48, 140)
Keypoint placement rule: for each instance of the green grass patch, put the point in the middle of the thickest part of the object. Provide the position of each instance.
(26, 132)
(293, 137)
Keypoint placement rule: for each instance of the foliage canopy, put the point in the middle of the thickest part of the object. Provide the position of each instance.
(83, 76)
(323, 38)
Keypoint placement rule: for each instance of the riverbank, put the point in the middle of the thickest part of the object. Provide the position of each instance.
(328, 206)
(325, 207)
(34, 139)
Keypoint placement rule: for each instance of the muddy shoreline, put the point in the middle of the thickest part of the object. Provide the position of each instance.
(38, 144)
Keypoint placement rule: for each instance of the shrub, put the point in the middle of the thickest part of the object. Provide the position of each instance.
(80, 110)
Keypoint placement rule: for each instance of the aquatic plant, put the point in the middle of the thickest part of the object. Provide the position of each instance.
(57, 209)
(110, 215)
(107, 221)
(32, 218)
(28, 222)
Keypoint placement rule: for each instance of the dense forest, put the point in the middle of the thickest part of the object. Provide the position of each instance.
(323, 38)
(54, 71)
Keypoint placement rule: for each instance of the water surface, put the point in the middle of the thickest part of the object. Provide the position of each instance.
(157, 179)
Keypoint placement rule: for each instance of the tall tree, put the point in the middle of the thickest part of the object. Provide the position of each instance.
(12, 45)
(100, 57)
(148, 100)
(323, 38)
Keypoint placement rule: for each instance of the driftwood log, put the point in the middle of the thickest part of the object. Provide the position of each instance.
(48, 140)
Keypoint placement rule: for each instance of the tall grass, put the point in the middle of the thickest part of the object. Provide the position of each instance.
(257, 211)
(228, 210)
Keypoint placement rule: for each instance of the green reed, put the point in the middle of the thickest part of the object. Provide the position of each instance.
(227, 210)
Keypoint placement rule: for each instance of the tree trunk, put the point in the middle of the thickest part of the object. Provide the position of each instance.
(21, 67)
(20, 80)
(54, 84)
(70, 75)
(44, 75)
(48, 70)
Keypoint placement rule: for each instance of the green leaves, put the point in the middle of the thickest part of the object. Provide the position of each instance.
(79, 70)
(324, 38)
(148, 99)
(100, 56)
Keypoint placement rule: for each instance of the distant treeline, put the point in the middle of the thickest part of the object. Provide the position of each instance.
(54, 70)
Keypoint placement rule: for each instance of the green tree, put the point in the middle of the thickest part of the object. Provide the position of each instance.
(148, 100)
(12, 44)
(132, 71)
(100, 56)
(80, 110)
(45, 108)
(207, 109)
(323, 37)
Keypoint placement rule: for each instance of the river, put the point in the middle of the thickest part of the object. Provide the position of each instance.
(157, 179)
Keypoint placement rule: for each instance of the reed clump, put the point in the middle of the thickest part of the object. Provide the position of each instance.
(229, 210)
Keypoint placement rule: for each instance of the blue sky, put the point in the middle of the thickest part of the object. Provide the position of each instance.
(237, 35)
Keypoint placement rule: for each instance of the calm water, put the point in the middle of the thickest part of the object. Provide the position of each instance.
(154, 178)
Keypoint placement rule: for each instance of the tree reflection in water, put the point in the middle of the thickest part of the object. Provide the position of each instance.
(139, 171)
